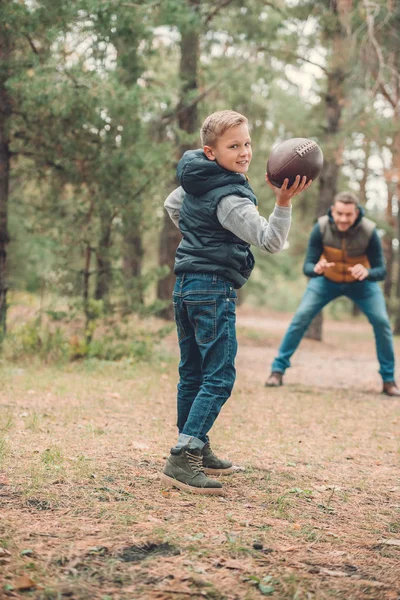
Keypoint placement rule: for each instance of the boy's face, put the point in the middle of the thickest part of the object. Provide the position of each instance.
(232, 150)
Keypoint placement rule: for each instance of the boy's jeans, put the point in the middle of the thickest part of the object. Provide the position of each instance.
(206, 323)
(368, 297)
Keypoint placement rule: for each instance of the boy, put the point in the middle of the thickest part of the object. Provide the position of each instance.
(216, 210)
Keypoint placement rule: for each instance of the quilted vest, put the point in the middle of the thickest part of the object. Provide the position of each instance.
(206, 247)
(345, 249)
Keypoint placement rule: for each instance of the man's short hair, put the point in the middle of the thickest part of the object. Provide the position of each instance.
(346, 198)
(217, 123)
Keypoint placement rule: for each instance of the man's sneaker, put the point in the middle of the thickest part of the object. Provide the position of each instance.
(184, 470)
(213, 465)
(390, 388)
(275, 379)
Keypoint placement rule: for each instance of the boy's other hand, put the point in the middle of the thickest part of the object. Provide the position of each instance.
(285, 194)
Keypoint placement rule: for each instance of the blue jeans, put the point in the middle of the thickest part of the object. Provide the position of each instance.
(368, 297)
(205, 315)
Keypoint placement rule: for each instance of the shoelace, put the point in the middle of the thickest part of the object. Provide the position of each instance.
(196, 462)
(209, 450)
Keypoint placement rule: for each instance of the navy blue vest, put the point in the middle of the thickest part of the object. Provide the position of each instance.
(206, 246)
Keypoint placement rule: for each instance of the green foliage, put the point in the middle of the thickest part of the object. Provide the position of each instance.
(33, 339)
(109, 341)
(95, 88)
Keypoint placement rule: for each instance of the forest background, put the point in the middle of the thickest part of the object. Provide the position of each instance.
(98, 101)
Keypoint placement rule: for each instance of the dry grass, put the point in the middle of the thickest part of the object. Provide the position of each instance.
(314, 515)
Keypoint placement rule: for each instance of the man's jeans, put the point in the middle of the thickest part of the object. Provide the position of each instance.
(206, 323)
(368, 297)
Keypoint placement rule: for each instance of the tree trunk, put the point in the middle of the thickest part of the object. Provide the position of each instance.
(5, 113)
(132, 266)
(329, 176)
(104, 272)
(327, 187)
(396, 162)
(387, 242)
(389, 257)
(187, 121)
(86, 293)
(314, 332)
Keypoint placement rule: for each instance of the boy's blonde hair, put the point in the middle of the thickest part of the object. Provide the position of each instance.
(217, 123)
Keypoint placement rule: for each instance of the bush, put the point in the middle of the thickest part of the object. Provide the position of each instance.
(56, 345)
(34, 339)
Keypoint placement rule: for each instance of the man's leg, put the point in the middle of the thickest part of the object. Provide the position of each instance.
(368, 296)
(320, 291)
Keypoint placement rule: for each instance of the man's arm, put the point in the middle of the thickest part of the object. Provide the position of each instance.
(314, 251)
(173, 204)
(241, 217)
(376, 259)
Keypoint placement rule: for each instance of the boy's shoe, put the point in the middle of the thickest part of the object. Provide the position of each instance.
(184, 470)
(390, 388)
(213, 465)
(275, 379)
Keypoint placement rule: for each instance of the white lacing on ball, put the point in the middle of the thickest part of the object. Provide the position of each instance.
(305, 148)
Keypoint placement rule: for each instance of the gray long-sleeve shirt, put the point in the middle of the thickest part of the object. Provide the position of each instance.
(241, 217)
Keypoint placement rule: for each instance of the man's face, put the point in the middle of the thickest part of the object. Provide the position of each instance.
(344, 215)
(232, 150)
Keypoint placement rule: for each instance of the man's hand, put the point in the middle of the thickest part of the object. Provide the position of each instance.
(359, 272)
(285, 194)
(322, 265)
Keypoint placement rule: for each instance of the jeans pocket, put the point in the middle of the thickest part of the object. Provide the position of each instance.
(203, 316)
(179, 326)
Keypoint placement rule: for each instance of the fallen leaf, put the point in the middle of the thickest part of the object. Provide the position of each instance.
(333, 573)
(390, 542)
(24, 583)
(234, 564)
(287, 548)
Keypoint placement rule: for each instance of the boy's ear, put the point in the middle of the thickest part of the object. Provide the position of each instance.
(209, 152)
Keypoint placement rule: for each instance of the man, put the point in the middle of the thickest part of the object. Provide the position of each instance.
(344, 258)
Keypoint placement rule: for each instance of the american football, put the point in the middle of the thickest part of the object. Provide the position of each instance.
(296, 156)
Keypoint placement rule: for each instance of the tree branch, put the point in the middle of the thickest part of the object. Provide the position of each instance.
(167, 118)
(46, 162)
(32, 45)
(216, 10)
(380, 84)
(311, 62)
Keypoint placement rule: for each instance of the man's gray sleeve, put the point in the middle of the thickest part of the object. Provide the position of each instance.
(240, 216)
(173, 204)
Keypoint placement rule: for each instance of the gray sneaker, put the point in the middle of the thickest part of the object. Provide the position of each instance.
(184, 470)
(213, 465)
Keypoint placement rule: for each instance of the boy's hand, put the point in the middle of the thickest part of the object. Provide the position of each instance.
(285, 194)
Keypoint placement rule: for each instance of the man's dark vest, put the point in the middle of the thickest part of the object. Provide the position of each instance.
(345, 249)
(206, 246)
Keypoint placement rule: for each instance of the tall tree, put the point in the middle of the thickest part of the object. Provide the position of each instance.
(6, 49)
(381, 47)
(186, 113)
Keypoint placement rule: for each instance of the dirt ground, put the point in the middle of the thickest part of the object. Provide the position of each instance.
(315, 514)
